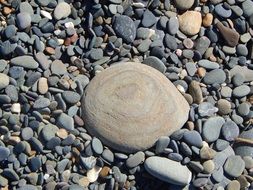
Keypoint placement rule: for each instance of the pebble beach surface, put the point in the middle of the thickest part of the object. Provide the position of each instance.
(51, 50)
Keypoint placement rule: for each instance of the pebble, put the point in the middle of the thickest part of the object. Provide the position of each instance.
(26, 7)
(155, 63)
(208, 64)
(4, 81)
(230, 130)
(207, 153)
(233, 185)
(224, 106)
(58, 67)
(193, 138)
(135, 159)
(97, 145)
(42, 85)
(183, 5)
(241, 91)
(196, 92)
(247, 8)
(234, 166)
(207, 20)
(247, 73)
(161, 144)
(229, 35)
(65, 122)
(125, 28)
(148, 19)
(173, 25)
(35, 163)
(217, 76)
(206, 109)
(222, 11)
(93, 174)
(71, 97)
(62, 10)
(243, 109)
(165, 169)
(24, 20)
(245, 149)
(24, 61)
(27, 133)
(190, 22)
(4, 153)
(41, 103)
(212, 128)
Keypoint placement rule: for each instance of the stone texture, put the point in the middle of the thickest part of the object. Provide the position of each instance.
(130, 105)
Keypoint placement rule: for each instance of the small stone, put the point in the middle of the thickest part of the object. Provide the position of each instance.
(24, 20)
(173, 25)
(233, 185)
(62, 10)
(135, 159)
(65, 122)
(27, 133)
(184, 5)
(226, 92)
(241, 91)
(165, 169)
(105, 171)
(155, 63)
(193, 138)
(247, 8)
(243, 109)
(238, 79)
(62, 133)
(4, 81)
(42, 85)
(207, 153)
(212, 127)
(230, 35)
(16, 108)
(71, 97)
(224, 106)
(247, 73)
(148, 19)
(248, 162)
(58, 67)
(4, 153)
(196, 92)
(208, 64)
(161, 144)
(93, 174)
(108, 155)
(84, 182)
(234, 166)
(200, 182)
(35, 163)
(125, 28)
(208, 166)
(244, 149)
(24, 61)
(97, 145)
(206, 109)
(207, 20)
(88, 162)
(230, 130)
(41, 103)
(190, 22)
(215, 76)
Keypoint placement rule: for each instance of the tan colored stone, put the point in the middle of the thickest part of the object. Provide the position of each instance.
(196, 92)
(190, 22)
(42, 85)
(84, 181)
(130, 105)
(7, 10)
(201, 72)
(207, 20)
(105, 171)
(62, 133)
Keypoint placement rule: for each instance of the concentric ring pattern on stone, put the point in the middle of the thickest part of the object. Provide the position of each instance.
(130, 105)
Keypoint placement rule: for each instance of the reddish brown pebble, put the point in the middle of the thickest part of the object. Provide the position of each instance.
(7, 10)
(201, 72)
(50, 50)
(105, 171)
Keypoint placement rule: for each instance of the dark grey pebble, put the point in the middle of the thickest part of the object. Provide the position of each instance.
(243, 149)
(125, 28)
(10, 31)
(66, 122)
(88, 162)
(173, 25)
(35, 163)
(208, 64)
(161, 144)
(41, 102)
(155, 63)
(170, 42)
(4, 153)
(10, 174)
(97, 145)
(215, 76)
(148, 19)
(24, 61)
(71, 97)
(193, 138)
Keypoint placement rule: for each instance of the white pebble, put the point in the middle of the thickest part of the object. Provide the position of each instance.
(46, 14)
(46, 176)
(16, 108)
(181, 89)
(93, 174)
(69, 25)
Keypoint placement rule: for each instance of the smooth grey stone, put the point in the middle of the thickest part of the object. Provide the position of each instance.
(247, 73)
(125, 28)
(96, 54)
(247, 7)
(211, 128)
(4, 153)
(65, 121)
(10, 174)
(35, 164)
(238, 79)
(3, 64)
(191, 68)
(24, 61)
(144, 46)
(222, 12)
(71, 97)
(173, 25)
(202, 44)
(237, 10)
(4, 81)
(196, 166)
(88, 162)
(215, 76)
(245, 149)
(229, 50)
(170, 42)
(48, 131)
(183, 5)
(61, 165)
(97, 145)
(230, 130)
(42, 60)
(155, 63)
(226, 92)
(163, 22)
(27, 187)
(58, 67)
(27, 133)
(10, 31)
(23, 20)
(7, 47)
(143, 33)
(234, 166)
(41, 102)
(26, 7)
(135, 160)
(206, 109)
(208, 64)
(220, 158)
(175, 157)
(165, 169)
(218, 174)
(242, 50)
(241, 91)
(12, 92)
(243, 109)
(193, 138)
(148, 19)
(161, 144)
(221, 144)
(36, 144)
(108, 155)
(200, 182)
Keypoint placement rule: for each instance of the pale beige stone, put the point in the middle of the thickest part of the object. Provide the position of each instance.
(190, 22)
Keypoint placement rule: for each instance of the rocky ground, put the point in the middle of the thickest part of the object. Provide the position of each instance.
(50, 50)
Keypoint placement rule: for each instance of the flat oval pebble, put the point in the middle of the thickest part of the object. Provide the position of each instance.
(124, 96)
(155, 63)
(230, 130)
(215, 76)
(212, 128)
(234, 166)
(135, 159)
(241, 91)
(193, 138)
(97, 145)
(208, 64)
(71, 97)
(24, 61)
(165, 169)
(62, 10)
